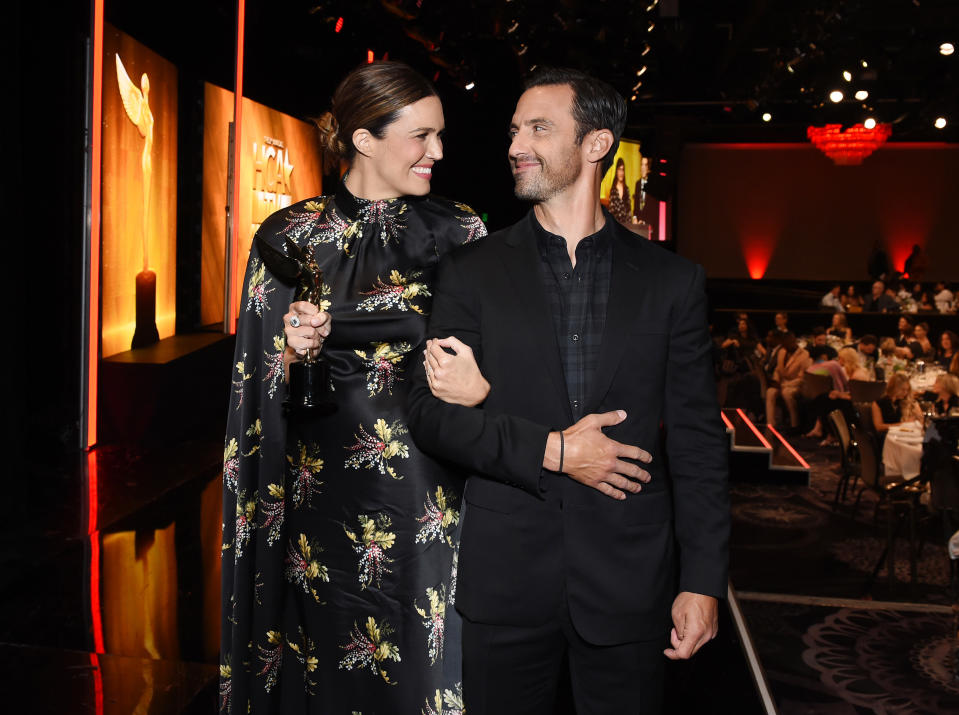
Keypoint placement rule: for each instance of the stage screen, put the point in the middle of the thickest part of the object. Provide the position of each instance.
(139, 194)
(280, 165)
(646, 214)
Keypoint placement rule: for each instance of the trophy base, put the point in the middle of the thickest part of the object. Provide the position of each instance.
(146, 332)
(309, 390)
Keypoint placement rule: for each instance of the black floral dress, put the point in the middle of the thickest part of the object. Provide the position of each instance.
(340, 536)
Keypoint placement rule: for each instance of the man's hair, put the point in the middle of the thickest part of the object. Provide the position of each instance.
(596, 105)
(868, 340)
(819, 330)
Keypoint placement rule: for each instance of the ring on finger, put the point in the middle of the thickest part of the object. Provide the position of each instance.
(294, 321)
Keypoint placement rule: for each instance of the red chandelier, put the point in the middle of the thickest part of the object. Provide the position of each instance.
(848, 147)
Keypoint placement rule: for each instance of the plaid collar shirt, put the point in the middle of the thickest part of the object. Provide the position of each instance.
(577, 298)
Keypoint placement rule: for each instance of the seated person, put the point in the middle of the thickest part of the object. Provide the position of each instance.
(840, 328)
(844, 368)
(819, 340)
(868, 349)
(906, 345)
(791, 363)
(948, 344)
(925, 349)
(943, 298)
(782, 322)
(895, 407)
(852, 301)
(947, 393)
(832, 300)
(879, 301)
(889, 360)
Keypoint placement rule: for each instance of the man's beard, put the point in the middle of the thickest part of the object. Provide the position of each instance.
(547, 182)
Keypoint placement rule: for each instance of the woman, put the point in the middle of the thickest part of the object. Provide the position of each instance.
(844, 368)
(852, 301)
(741, 353)
(619, 194)
(927, 350)
(339, 566)
(948, 343)
(840, 328)
(947, 393)
(895, 407)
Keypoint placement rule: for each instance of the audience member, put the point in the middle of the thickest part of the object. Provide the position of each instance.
(867, 348)
(943, 298)
(948, 342)
(839, 328)
(895, 407)
(916, 264)
(791, 363)
(833, 300)
(926, 304)
(879, 301)
(821, 344)
(738, 384)
(852, 301)
(926, 350)
(846, 367)
(774, 344)
(954, 365)
(889, 360)
(782, 322)
(946, 388)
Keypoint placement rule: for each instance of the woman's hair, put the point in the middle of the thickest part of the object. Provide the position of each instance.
(370, 97)
(619, 163)
(849, 357)
(896, 381)
(887, 346)
(950, 382)
(954, 364)
(953, 340)
(841, 319)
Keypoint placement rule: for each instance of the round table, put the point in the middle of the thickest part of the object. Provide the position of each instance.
(902, 450)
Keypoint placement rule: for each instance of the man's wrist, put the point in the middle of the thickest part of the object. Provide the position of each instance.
(553, 452)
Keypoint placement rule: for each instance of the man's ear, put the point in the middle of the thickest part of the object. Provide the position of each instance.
(598, 143)
(363, 141)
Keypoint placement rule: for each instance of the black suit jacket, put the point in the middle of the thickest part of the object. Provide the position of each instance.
(529, 533)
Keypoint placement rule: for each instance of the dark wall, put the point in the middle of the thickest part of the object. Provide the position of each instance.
(786, 211)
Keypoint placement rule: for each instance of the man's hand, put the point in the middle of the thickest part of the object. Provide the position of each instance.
(454, 378)
(695, 623)
(593, 459)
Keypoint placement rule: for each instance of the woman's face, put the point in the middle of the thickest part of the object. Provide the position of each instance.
(901, 391)
(620, 173)
(743, 327)
(836, 320)
(903, 325)
(403, 159)
(945, 341)
(920, 332)
(851, 292)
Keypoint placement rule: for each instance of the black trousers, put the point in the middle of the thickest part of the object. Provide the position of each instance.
(513, 670)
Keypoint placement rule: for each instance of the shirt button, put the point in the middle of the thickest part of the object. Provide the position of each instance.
(566, 276)
(574, 337)
(575, 404)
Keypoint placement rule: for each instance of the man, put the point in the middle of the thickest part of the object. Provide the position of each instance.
(879, 301)
(645, 205)
(867, 347)
(820, 340)
(943, 298)
(832, 300)
(791, 364)
(593, 342)
(782, 322)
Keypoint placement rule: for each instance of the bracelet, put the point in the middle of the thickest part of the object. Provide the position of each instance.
(562, 451)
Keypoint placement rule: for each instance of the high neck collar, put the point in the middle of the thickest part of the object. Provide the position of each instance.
(366, 210)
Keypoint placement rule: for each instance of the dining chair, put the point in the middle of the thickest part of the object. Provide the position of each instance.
(848, 453)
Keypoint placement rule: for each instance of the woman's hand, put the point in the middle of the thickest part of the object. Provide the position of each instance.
(306, 328)
(455, 379)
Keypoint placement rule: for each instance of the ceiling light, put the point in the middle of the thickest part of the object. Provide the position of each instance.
(653, 4)
(637, 86)
(869, 123)
(767, 117)
(940, 122)
(641, 71)
(651, 26)
(633, 98)
(946, 48)
(789, 69)
(862, 95)
(835, 96)
(646, 49)
(847, 75)
(864, 64)
(470, 86)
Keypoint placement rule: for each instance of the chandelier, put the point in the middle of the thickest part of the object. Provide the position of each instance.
(850, 147)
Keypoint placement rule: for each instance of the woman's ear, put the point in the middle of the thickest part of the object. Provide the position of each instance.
(363, 141)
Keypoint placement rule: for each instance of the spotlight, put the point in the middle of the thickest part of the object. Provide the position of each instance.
(835, 96)
(369, 57)
(847, 75)
(633, 98)
(637, 86)
(865, 65)
(870, 123)
(641, 71)
(470, 86)
(646, 49)
(940, 122)
(946, 48)
(651, 26)
(767, 117)
(790, 70)
(862, 95)
(653, 4)
(339, 24)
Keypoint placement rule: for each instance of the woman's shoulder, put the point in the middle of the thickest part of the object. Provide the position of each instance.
(453, 223)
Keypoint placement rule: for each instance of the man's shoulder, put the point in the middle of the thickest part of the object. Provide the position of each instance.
(651, 253)
(490, 247)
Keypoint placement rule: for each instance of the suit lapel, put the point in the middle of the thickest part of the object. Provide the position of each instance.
(619, 312)
(522, 265)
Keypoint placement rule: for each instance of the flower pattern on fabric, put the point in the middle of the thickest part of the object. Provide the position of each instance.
(304, 653)
(245, 522)
(382, 365)
(371, 543)
(449, 702)
(226, 688)
(474, 227)
(300, 223)
(274, 365)
(305, 466)
(376, 452)
(258, 289)
(434, 620)
(336, 230)
(302, 568)
(370, 649)
(273, 513)
(231, 465)
(272, 658)
(238, 388)
(254, 432)
(398, 294)
(437, 518)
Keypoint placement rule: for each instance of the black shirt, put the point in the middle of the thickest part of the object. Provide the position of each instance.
(577, 299)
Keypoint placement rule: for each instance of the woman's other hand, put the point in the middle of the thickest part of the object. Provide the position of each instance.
(454, 378)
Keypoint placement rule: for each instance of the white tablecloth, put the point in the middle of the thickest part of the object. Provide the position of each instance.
(925, 381)
(902, 450)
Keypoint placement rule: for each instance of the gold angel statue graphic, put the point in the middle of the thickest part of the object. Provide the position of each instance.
(136, 104)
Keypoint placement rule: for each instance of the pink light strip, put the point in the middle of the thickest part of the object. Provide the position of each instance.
(756, 432)
(792, 451)
(729, 425)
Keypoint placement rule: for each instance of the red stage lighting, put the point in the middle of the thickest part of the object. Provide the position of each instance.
(369, 57)
(850, 147)
(339, 24)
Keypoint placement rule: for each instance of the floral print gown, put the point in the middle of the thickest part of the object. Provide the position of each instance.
(340, 536)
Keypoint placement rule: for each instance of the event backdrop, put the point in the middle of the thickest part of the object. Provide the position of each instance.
(786, 211)
(139, 188)
(654, 212)
(280, 165)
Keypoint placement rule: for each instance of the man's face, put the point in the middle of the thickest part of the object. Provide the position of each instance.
(819, 339)
(780, 319)
(543, 152)
(877, 289)
(644, 167)
(867, 348)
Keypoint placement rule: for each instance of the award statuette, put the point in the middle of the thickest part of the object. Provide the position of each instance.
(310, 389)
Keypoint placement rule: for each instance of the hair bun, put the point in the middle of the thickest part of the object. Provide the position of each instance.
(330, 142)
